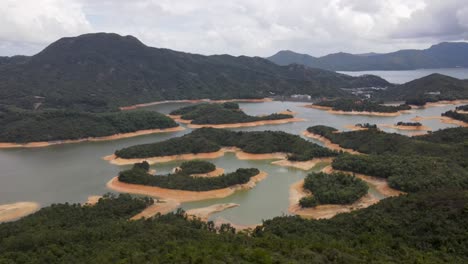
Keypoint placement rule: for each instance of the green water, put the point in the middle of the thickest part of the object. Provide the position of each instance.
(72, 172)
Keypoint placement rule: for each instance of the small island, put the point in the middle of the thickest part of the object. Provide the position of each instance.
(213, 143)
(363, 126)
(359, 107)
(42, 128)
(407, 126)
(226, 115)
(457, 116)
(334, 188)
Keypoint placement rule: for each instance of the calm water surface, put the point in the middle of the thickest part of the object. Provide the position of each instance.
(406, 76)
(72, 172)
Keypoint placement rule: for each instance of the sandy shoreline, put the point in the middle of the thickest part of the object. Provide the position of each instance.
(328, 143)
(204, 213)
(91, 139)
(443, 119)
(181, 195)
(161, 206)
(445, 103)
(366, 113)
(303, 165)
(355, 128)
(15, 211)
(237, 125)
(217, 172)
(296, 192)
(130, 107)
(412, 128)
(92, 200)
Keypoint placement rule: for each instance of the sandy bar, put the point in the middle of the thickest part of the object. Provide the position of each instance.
(178, 118)
(266, 156)
(413, 128)
(328, 143)
(219, 221)
(442, 119)
(445, 103)
(161, 207)
(92, 139)
(287, 112)
(355, 128)
(217, 172)
(204, 213)
(303, 165)
(462, 112)
(93, 199)
(195, 101)
(366, 113)
(296, 192)
(15, 211)
(181, 195)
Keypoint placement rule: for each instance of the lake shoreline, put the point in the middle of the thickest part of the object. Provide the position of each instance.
(40, 144)
(14, 211)
(132, 107)
(178, 118)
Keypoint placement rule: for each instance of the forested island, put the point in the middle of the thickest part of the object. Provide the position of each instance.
(356, 105)
(205, 140)
(334, 188)
(196, 167)
(182, 180)
(411, 124)
(456, 115)
(19, 126)
(410, 164)
(410, 228)
(226, 113)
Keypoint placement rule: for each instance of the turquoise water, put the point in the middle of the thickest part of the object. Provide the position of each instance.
(72, 172)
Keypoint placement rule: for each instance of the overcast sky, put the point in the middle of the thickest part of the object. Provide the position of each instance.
(239, 27)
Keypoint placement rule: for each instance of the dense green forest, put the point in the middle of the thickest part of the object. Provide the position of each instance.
(349, 105)
(462, 108)
(227, 113)
(400, 123)
(428, 227)
(197, 166)
(457, 116)
(103, 71)
(31, 126)
(377, 142)
(333, 188)
(447, 136)
(367, 125)
(210, 140)
(406, 173)
(182, 180)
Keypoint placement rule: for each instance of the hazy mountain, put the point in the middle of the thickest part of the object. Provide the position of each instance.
(443, 55)
(102, 70)
(436, 86)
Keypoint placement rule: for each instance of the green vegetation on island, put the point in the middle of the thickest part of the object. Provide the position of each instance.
(182, 180)
(334, 188)
(426, 227)
(227, 113)
(20, 126)
(457, 116)
(349, 105)
(206, 140)
(416, 124)
(462, 108)
(367, 125)
(197, 166)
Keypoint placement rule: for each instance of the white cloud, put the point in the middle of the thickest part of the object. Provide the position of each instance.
(250, 27)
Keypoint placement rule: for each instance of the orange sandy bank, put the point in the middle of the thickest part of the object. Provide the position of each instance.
(236, 125)
(296, 192)
(443, 119)
(180, 195)
(195, 101)
(303, 165)
(91, 139)
(328, 143)
(93, 199)
(444, 103)
(14, 211)
(161, 207)
(413, 128)
(354, 127)
(219, 221)
(204, 213)
(366, 113)
(217, 172)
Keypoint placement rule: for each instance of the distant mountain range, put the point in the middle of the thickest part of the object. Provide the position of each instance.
(443, 55)
(102, 71)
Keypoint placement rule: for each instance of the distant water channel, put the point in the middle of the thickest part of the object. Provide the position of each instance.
(72, 172)
(399, 77)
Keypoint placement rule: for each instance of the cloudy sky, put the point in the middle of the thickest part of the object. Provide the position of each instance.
(247, 27)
